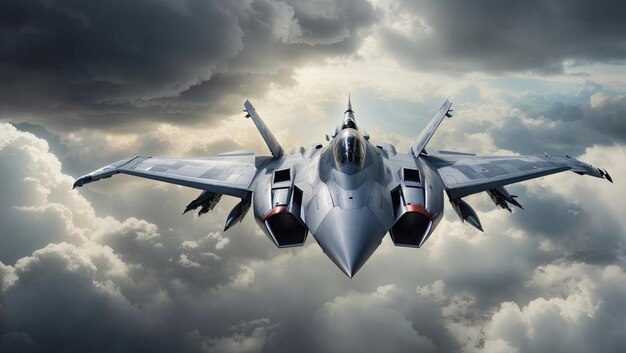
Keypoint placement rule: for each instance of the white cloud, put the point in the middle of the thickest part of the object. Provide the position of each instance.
(580, 301)
(340, 324)
(251, 336)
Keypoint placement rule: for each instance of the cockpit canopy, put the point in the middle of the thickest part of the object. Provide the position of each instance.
(348, 124)
(349, 148)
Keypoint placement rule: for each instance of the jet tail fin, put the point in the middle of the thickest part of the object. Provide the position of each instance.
(269, 138)
(430, 129)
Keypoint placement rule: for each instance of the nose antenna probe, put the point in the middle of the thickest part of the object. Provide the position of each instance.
(349, 110)
(348, 119)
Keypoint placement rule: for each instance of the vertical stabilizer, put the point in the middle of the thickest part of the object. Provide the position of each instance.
(269, 138)
(432, 126)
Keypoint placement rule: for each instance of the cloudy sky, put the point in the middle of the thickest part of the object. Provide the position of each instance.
(114, 267)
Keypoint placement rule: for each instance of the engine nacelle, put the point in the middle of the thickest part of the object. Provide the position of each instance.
(413, 222)
(278, 211)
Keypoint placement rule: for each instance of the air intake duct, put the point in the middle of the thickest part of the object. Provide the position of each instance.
(413, 222)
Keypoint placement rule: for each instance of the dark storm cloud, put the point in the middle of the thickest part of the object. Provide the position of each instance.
(563, 127)
(501, 36)
(97, 64)
(570, 229)
(200, 103)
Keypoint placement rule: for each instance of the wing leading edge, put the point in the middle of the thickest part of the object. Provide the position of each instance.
(464, 175)
(229, 175)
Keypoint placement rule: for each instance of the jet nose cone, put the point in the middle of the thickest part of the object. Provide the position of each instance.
(349, 237)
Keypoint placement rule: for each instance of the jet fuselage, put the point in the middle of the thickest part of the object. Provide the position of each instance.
(355, 194)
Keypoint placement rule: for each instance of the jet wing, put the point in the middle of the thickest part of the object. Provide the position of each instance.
(463, 175)
(226, 174)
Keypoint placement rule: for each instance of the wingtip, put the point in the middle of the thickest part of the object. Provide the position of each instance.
(608, 176)
(82, 181)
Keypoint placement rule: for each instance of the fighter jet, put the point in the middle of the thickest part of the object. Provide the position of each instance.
(350, 192)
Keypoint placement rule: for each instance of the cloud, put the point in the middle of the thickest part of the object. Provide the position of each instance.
(107, 65)
(122, 246)
(578, 302)
(251, 336)
(88, 282)
(570, 320)
(82, 284)
(496, 37)
(340, 324)
(561, 126)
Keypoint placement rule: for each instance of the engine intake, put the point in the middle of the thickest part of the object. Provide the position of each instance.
(285, 228)
(282, 222)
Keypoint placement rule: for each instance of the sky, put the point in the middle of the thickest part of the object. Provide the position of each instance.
(115, 267)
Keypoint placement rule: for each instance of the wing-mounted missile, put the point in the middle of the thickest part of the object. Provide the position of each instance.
(206, 201)
(238, 212)
(466, 213)
(502, 198)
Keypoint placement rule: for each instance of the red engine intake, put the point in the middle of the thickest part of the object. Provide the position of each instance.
(413, 222)
(285, 228)
(281, 221)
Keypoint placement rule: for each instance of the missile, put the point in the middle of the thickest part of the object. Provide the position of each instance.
(466, 213)
(207, 201)
(209, 204)
(237, 213)
(502, 198)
